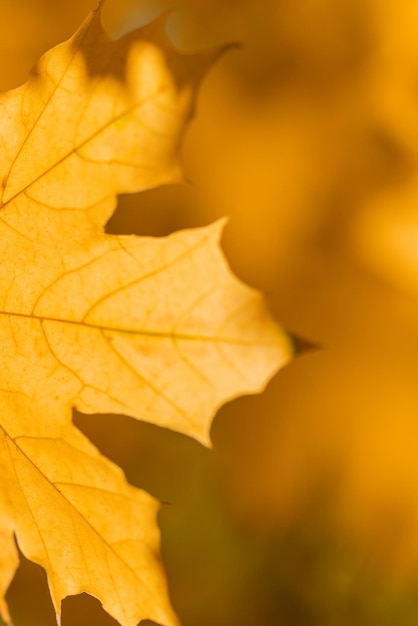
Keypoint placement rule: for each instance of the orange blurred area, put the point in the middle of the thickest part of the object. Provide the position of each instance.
(306, 135)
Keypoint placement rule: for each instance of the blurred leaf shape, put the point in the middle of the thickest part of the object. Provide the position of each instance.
(317, 118)
(158, 329)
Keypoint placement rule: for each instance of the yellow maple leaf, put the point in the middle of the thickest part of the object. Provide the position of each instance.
(158, 329)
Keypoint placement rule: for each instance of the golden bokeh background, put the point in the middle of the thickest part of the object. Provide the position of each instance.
(305, 512)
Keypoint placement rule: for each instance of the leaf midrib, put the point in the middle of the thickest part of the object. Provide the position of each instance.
(154, 334)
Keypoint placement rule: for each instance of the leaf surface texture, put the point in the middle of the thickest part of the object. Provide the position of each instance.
(158, 329)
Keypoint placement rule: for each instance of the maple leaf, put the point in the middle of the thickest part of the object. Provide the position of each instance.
(158, 329)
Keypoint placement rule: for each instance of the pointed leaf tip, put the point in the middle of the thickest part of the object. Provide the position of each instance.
(158, 329)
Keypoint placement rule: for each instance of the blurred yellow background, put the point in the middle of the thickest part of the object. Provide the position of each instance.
(305, 512)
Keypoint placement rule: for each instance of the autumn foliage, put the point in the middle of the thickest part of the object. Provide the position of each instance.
(154, 328)
(296, 506)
